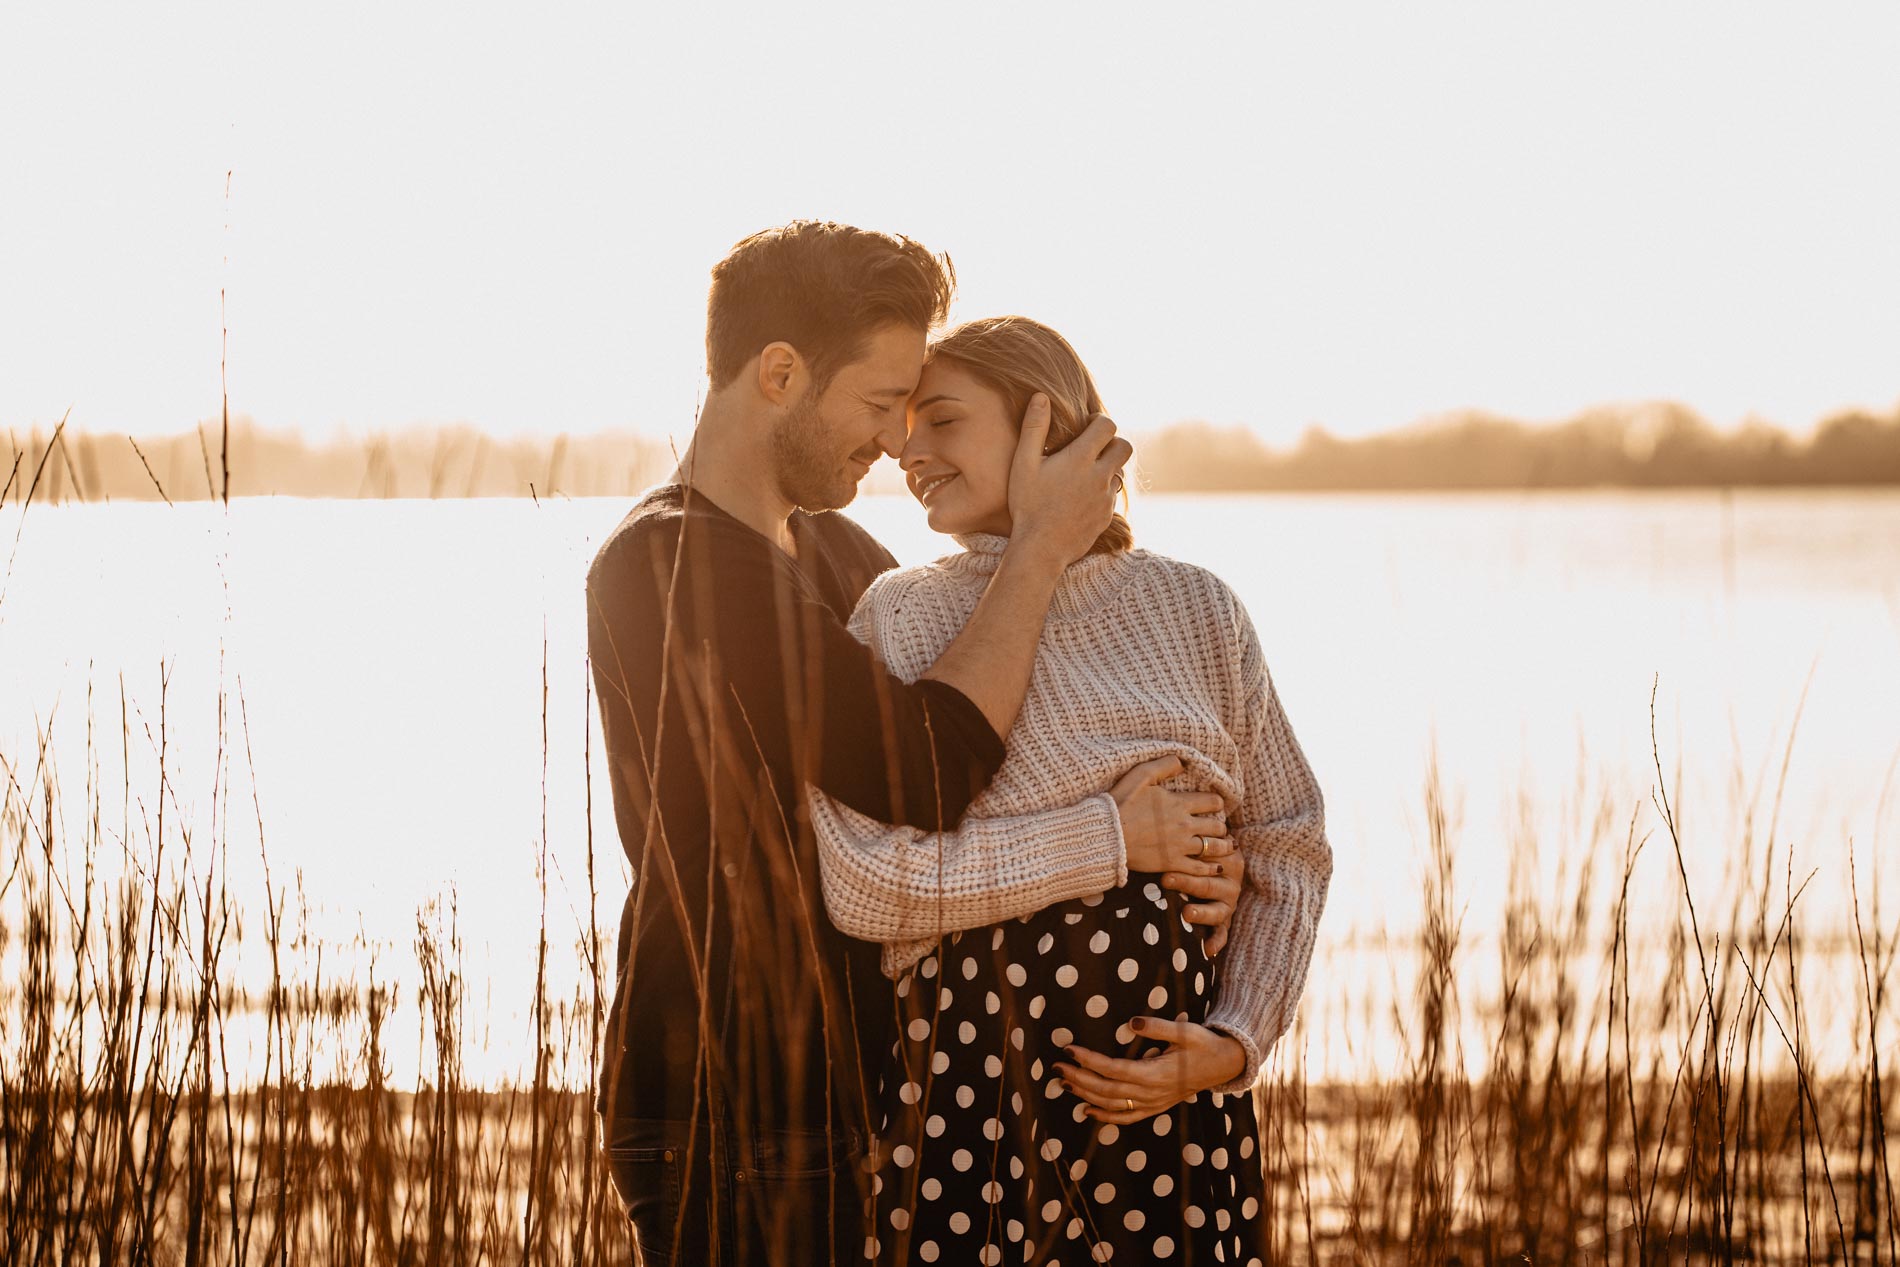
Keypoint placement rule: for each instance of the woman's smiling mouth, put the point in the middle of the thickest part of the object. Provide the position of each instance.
(926, 487)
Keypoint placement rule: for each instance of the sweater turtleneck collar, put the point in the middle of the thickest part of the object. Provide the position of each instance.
(1087, 584)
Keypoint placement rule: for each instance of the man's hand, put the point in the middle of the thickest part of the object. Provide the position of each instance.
(1061, 502)
(1124, 1091)
(1165, 830)
(1184, 836)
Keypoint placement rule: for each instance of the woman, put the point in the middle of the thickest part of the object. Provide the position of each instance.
(1066, 1087)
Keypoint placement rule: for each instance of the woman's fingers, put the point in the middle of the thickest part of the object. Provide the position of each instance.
(1115, 1067)
(1106, 1092)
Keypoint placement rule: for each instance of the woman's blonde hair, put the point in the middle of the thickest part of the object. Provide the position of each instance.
(1016, 358)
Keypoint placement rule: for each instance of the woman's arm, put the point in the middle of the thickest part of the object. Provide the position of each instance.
(1282, 835)
(901, 885)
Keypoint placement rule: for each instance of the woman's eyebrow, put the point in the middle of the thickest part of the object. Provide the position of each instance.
(931, 400)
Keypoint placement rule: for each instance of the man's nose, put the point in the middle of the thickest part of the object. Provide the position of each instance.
(891, 437)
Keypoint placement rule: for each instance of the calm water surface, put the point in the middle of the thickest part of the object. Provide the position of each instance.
(395, 660)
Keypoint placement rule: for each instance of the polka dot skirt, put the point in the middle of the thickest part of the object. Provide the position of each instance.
(983, 1157)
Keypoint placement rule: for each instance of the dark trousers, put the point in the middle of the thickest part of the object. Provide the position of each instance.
(721, 1195)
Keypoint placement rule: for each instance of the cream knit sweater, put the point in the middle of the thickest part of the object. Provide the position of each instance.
(1142, 656)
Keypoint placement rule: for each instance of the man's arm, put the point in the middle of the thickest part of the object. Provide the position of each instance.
(1058, 505)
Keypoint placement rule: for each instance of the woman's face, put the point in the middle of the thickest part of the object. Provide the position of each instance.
(961, 445)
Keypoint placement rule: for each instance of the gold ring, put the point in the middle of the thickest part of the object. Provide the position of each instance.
(1202, 851)
(1130, 1104)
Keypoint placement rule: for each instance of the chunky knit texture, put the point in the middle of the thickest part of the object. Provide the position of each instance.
(1142, 656)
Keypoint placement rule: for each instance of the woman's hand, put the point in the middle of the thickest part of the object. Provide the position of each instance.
(1211, 898)
(1163, 830)
(1124, 1091)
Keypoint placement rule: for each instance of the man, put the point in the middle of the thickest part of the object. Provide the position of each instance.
(733, 1093)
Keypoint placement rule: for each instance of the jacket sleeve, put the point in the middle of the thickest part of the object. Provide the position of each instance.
(751, 655)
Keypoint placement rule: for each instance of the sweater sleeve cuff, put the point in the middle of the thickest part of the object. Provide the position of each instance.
(1255, 1057)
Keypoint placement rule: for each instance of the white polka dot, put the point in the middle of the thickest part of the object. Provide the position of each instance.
(1049, 1211)
(900, 1218)
(1015, 1102)
(909, 1092)
(1036, 1005)
(1151, 934)
(1219, 1158)
(1246, 1146)
(965, 1097)
(871, 1247)
(992, 1192)
(991, 1003)
(932, 1189)
(1128, 970)
(928, 968)
(928, 1251)
(993, 1130)
(943, 998)
(1104, 1192)
(1109, 1133)
(969, 969)
(1073, 917)
(1195, 1216)
(1066, 975)
(1164, 1184)
(1222, 1218)
(903, 1155)
(1152, 892)
(1200, 983)
(1134, 1220)
(919, 1030)
(959, 1222)
(966, 1033)
(1061, 1036)
(1099, 943)
(1078, 1168)
(962, 1159)
(1164, 1246)
(903, 986)
(1045, 943)
(877, 1184)
(1124, 1035)
(1163, 1125)
(1096, 1006)
(940, 1062)
(1158, 997)
(1016, 1038)
(990, 1256)
(1193, 1154)
(1180, 959)
(1079, 1113)
(1016, 1169)
(1101, 1251)
(933, 1127)
(1016, 974)
(1136, 1160)
(1053, 1090)
(1035, 1067)
(996, 940)
(1014, 1229)
(1074, 1229)
(1093, 899)
(1051, 1149)
(993, 1066)
(1249, 1208)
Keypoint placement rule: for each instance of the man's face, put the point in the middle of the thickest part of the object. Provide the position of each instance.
(823, 447)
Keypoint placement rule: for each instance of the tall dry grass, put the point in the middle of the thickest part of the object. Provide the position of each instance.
(1589, 1085)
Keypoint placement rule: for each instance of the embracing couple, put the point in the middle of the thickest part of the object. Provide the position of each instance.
(967, 898)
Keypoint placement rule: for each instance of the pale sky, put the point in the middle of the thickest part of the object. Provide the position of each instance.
(1347, 214)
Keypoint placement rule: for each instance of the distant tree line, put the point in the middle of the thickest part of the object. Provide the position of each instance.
(1627, 446)
(1630, 446)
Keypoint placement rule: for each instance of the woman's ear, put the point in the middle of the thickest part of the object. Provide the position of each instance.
(781, 371)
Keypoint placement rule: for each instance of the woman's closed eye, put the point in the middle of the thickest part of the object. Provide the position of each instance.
(942, 422)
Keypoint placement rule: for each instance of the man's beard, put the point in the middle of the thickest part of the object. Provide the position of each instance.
(811, 473)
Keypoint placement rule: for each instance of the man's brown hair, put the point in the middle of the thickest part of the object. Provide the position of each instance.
(823, 288)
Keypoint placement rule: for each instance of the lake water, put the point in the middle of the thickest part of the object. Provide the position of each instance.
(395, 659)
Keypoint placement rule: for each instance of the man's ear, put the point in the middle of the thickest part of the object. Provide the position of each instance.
(782, 372)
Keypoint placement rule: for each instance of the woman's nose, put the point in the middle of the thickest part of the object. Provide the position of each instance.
(915, 450)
